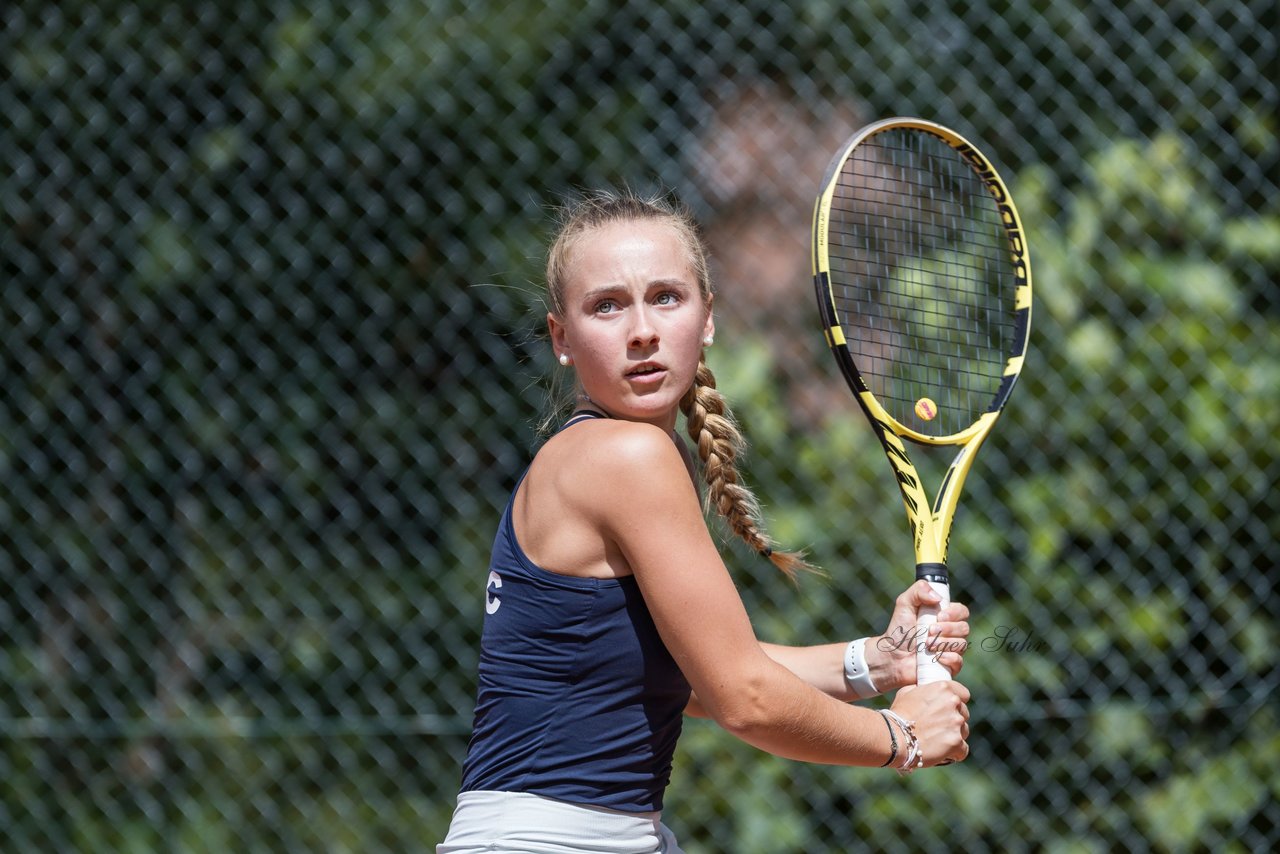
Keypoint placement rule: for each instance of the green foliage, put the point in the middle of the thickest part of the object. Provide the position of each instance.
(1143, 406)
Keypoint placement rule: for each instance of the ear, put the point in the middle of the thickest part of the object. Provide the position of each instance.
(559, 338)
(709, 329)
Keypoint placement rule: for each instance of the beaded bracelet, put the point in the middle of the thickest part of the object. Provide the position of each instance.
(915, 756)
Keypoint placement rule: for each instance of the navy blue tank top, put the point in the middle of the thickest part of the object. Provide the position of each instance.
(579, 699)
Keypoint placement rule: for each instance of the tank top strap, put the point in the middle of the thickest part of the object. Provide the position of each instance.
(575, 418)
(580, 416)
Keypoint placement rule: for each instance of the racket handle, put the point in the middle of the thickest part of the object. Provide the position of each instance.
(927, 667)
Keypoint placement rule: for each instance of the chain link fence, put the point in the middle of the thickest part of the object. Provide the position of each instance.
(272, 360)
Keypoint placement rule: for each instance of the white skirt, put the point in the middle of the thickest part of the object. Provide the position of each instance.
(521, 823)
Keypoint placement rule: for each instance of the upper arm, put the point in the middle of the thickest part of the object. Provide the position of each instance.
(653, 516)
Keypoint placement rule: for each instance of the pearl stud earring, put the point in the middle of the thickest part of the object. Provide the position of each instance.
(708, 341)
(564, 359)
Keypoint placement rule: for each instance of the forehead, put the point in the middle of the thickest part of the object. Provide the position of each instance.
(632, 248)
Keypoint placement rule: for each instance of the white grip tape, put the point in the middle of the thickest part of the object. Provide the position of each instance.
(927, 667)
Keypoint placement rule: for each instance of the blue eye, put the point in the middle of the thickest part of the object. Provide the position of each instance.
(667, 298)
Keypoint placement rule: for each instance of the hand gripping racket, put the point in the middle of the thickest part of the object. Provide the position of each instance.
(924, 286)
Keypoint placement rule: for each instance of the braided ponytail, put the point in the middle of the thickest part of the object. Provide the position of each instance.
(710, 423)
(719, 441)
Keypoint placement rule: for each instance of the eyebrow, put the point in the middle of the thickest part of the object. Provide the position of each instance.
(609, 290)
(601, 292)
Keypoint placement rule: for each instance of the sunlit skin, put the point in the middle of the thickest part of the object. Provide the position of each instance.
(634, 320)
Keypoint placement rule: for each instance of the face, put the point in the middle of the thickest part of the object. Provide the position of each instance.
(634, 319)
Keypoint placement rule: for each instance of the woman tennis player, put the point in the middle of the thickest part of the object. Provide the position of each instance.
(609, 612)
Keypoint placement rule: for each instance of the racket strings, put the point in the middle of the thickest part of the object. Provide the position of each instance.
(922, 278)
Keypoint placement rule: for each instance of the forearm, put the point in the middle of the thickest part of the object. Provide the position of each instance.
(780, 714)
(823, 666)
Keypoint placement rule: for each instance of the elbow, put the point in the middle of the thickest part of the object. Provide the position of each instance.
(748, 711)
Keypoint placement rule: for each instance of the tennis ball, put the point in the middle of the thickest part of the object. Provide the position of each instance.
(926, 409)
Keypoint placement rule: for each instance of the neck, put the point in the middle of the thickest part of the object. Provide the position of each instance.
(584, 401)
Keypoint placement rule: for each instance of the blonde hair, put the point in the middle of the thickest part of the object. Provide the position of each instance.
(709, 421)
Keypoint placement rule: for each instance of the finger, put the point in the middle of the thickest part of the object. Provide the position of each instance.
(919, 594)
(952, 628)
(954, 612)
(941, 644)
(946, 649)
(958, 753)
(952, 661)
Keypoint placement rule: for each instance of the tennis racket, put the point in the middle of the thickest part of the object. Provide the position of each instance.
(924, 286)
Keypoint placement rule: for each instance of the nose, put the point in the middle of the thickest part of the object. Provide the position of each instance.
(644, 333)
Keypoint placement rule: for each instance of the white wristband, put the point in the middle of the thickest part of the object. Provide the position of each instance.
(856, 672)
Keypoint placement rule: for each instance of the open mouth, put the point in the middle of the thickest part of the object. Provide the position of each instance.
(647, 369)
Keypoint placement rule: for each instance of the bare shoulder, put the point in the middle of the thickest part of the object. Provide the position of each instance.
(588, 487)
(619, 451)
(603, 468)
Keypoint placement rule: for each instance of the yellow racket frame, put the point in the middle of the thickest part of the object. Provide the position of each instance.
(930, 521)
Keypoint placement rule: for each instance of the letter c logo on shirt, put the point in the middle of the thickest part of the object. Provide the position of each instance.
(492, 603)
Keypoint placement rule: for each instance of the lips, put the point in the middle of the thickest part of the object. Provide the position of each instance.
(646, 370)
